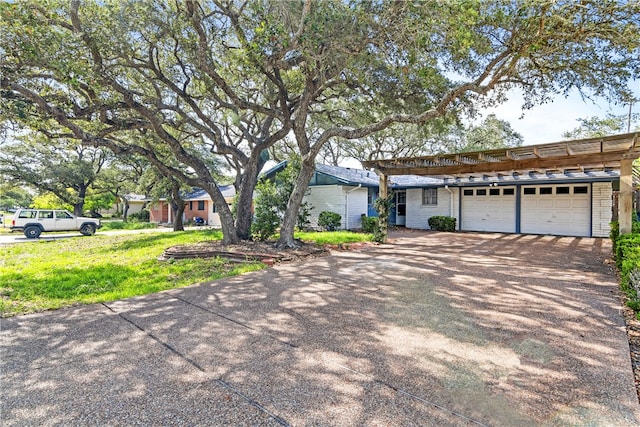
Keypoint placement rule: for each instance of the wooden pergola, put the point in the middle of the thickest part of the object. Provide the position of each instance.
(616, 152)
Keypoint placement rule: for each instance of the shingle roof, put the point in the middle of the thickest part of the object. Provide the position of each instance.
(200, 194)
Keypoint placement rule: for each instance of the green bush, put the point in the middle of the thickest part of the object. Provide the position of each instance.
(615, 231)
(369, 224)
(330, 221)
(626, 250)
(142, 216)
(442, 223)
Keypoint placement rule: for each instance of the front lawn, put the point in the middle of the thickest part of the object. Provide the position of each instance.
(46, 275)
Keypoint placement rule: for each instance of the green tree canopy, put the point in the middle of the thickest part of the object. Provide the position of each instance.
(233, 78)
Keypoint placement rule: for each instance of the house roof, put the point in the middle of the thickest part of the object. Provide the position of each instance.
(199, 194)
(565, 158)
(362, 177)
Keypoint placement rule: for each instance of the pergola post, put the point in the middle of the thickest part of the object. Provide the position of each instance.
(625, 202)
(383, 193)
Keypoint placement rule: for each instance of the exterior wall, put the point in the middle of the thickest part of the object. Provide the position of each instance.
(158, 212)
(601, 206)
(349, 202)
(134, 207)
(213, 216)
(418, 215)
(326, 198)
(356, 206)
(191, 210)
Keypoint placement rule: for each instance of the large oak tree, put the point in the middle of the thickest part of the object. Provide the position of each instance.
(233, 77)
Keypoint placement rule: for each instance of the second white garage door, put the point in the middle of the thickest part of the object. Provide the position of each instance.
(563, 210)
(489, 209)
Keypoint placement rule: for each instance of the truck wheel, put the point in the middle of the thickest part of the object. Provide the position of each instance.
(32, 232)
(88, 229)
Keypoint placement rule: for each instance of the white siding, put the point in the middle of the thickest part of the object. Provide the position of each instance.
(601, 209)
(418, 215)
(357, 205)
(326, 198)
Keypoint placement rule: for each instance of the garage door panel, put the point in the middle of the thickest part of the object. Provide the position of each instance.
(565, 212)
(484, 211)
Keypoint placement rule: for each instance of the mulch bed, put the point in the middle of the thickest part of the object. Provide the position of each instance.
(267, 253)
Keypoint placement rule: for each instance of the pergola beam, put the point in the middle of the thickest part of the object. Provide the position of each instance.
(394, 168)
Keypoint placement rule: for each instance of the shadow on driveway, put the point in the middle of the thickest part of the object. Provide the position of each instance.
(432, 329)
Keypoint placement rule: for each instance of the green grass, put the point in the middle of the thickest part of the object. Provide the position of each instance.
(121, 225)
(46, 275)
(333, 237)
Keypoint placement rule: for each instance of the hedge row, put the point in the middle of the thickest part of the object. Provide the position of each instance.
(626, 250)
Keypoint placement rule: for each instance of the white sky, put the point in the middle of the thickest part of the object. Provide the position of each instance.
(546, 123)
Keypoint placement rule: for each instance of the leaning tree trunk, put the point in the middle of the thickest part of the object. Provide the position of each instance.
(244, 198)
(229, 231)
(177, 206)
(178, 211)
(288, 227)
(125, 211)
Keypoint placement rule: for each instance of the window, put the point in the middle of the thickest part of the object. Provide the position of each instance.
(562, 190)
(494, 191)
(27, 214)
(429, 196)
(529, 191)
(45, 214)
(200, 205)
(509, 191)
(215, 208)
(468, 192)
(482, 192)
(190, 205)
(546, 190)
(581, 190)
(63, 215)
(401, 197)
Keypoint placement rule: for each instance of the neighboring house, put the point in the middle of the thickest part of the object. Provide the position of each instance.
(137, 202)
(198, 203)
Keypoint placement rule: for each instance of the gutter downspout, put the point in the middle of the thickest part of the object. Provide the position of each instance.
(446, 187)
(346, 204)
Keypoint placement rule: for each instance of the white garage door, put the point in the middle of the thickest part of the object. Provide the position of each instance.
(563, 210)
(489, 209)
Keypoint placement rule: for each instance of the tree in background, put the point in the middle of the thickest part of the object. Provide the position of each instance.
(13, 196)
(595, 126)
(183, 71)
(64, 168)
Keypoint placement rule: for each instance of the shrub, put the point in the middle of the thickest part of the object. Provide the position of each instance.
(383, 206)
(369, 223)
(626, 250)
(329, 220)
(267, 219)
(442, 223)
(142, 216)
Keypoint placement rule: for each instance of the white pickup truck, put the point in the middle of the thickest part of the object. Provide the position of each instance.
(34, 221)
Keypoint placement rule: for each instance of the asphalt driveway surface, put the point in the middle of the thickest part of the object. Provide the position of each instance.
(432, 329)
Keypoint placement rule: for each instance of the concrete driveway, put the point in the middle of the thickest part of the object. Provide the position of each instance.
(433, 329)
